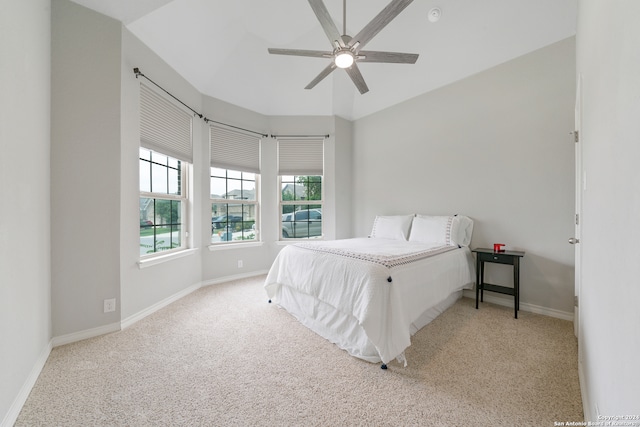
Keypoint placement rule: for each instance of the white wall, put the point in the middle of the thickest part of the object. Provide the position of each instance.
(342, 182)
(608, 57)
(25, 267)
(494, 146)
(85, 167)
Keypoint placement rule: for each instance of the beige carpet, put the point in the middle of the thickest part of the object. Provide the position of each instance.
(224, 356)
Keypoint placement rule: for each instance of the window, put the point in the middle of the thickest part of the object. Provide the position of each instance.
(162, 202)
(300, 168)
(300, 219)
(235, 178)
(164, 157)
(233, 206)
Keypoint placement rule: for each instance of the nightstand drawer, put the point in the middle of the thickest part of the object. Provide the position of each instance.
(496, 257)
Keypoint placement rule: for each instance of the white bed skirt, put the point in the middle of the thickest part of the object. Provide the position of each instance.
(345, 330)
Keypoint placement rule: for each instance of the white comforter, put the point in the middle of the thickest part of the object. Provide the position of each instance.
(383, 286)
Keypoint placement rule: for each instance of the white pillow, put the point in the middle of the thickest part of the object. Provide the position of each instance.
(394, 227)
(431, 229)
(461, 230)
(446, 230)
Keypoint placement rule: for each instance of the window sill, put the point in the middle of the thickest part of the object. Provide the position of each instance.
(224, 246)
(144, 263)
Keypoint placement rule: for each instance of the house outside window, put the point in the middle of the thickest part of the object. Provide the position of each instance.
(234, 206)
(301, 207)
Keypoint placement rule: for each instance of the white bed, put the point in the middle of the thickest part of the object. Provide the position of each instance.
(369, 295)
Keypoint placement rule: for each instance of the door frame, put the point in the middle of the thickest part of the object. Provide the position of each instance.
(580, 186)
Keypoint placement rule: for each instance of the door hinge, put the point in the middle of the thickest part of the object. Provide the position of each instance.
(577, 219)
(576, 136)
(575, 300)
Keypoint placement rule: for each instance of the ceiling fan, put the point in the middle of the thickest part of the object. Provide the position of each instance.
(347, 50)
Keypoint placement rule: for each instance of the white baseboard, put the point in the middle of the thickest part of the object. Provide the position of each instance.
(125, 323)
(551, 312)
(234, 277)
(14, 411)
(159, 305)
(87, 333)
(175, 297)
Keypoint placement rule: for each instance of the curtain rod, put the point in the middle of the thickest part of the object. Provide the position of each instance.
(138, 73)
(299, 136)
(235, 127)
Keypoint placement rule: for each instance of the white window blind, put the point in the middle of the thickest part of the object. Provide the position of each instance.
(300, 156)
(234, 150)
(164, 127)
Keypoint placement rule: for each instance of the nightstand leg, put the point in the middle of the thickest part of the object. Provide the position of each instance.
(481, 281)
(516, 285)
(477, 280)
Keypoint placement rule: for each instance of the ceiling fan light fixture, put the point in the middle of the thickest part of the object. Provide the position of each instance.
(344, 59)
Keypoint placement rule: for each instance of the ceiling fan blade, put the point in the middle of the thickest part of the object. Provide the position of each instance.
(324, 73)
(358, 80)
(301, 52)
(378, 23)
(326, 22)
(391, 57)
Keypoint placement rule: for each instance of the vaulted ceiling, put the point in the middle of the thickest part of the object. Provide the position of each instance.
(220, 46)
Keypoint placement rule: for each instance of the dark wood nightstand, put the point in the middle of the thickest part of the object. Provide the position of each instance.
(504, 257)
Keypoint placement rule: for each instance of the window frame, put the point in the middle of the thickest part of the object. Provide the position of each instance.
(255, 203)
(299, 202)
(183, 198)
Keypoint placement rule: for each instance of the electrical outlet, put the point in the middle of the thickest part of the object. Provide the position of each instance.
(109, 305)
(239, 263)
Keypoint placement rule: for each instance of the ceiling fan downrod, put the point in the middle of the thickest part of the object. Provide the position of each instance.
(344, 17)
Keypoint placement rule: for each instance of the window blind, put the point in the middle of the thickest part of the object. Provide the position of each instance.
(234, 150)
(300, 156)
(164, 127)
